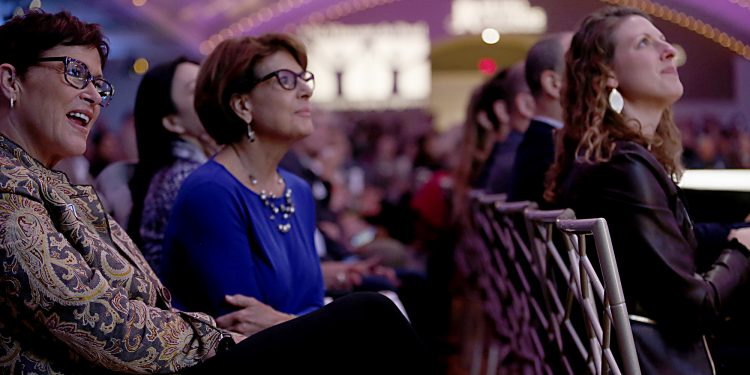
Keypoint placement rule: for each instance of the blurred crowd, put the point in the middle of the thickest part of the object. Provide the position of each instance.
(710, 143)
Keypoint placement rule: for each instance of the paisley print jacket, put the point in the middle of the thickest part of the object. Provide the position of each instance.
(76, 295)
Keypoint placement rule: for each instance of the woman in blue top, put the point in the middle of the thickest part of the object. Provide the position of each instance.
(240, 225)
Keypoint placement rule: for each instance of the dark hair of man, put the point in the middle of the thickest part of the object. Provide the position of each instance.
(153, 102)
(229, 70)
(546, 54)
(23, 39)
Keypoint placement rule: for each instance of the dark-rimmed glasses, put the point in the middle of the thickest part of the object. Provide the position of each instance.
(77, 74)
(288, 79)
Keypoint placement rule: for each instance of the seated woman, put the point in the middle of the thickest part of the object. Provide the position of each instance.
(240, 224)
(618, 157)
(172, 143)
(79, 296)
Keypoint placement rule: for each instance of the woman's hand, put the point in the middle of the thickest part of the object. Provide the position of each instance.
(336, 276)
(254, 316)
(343, 276)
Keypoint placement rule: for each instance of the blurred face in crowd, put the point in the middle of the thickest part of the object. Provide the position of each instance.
(183, 90)
(644, 65)
(279, 112)
(54, 117)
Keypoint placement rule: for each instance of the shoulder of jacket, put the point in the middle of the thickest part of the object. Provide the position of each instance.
(634, 160)
(15, 178)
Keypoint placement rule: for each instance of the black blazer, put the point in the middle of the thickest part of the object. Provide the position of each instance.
(533, 157)
(657, 256)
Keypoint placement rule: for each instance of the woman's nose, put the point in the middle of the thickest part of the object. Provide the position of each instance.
(669, 51)
(91, 95)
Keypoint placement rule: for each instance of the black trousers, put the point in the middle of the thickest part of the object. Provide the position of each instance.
(363, 333)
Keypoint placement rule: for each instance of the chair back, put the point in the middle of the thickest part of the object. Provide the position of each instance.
(514, 263)
(583, 309)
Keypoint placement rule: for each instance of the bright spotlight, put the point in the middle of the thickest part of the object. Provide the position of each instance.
(490, 36)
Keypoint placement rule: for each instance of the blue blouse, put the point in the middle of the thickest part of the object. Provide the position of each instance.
(220, 240)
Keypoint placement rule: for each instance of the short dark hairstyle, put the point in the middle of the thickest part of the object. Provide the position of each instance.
(546, 54)
(153, 102)
(24, 38)
(229, 70)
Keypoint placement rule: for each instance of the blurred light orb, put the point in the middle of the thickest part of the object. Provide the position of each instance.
(681, 57)
(490, 35)
(487, 66)
(140, 66)
(139, 3)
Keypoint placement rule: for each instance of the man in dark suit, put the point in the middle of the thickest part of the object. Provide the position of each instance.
(512, 95)
(545, 64)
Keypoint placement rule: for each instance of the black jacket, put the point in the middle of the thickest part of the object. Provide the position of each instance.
(657, 256)
(533, 157)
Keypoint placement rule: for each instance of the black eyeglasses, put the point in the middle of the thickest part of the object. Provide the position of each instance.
(288, 79)
(77, 74)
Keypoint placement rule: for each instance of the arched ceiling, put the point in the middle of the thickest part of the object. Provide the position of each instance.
(196, 21)
(193, 23)
(162, 29)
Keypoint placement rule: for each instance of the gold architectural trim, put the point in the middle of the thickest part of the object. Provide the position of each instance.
(689, 22)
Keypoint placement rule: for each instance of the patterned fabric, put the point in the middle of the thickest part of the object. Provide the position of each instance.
(160, 198)
(77, 296)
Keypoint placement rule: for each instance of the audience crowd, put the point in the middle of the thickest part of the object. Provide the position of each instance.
(273, 215)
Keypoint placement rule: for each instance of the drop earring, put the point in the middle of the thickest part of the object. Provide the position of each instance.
(12, 103)
(250, 133)
(616, 101)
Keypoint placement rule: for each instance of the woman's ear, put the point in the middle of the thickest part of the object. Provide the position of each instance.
(501, 112)
(172, 124)
(242, 107)
(612, 82)
(525, 104)
(8, 81)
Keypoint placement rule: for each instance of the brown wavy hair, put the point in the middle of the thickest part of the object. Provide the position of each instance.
(474, 150)
(591, 126)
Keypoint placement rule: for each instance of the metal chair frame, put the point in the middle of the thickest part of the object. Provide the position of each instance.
(584, 290)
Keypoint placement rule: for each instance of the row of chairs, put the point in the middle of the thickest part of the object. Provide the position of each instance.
(553, 306)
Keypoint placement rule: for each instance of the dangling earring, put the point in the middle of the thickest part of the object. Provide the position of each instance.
(12, 103)
(250, 133)
(616, 101)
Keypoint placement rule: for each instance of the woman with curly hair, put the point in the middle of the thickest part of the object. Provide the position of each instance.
(618, 157)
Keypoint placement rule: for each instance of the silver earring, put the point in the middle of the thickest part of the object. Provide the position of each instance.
(250, 133)
(616, 101)
(12, 103)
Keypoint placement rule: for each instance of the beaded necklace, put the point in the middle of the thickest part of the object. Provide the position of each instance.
(284, 210)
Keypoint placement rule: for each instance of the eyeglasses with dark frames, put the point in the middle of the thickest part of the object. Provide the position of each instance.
(288, 79)
(77, 74)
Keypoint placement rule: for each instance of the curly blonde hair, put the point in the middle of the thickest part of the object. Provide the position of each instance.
(591, 126)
